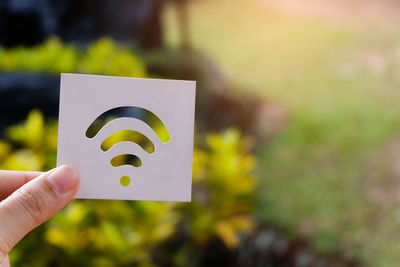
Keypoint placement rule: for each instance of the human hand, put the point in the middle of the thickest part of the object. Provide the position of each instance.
(27, 199)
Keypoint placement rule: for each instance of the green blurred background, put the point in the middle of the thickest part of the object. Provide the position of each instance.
(297, 154)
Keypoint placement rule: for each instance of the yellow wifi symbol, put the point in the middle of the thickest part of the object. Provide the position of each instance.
(128, 135)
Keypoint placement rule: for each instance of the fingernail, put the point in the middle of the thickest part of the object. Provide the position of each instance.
(63, 179)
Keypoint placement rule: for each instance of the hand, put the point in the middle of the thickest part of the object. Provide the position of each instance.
(27, 199)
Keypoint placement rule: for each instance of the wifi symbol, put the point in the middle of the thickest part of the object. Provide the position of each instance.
(128, 135)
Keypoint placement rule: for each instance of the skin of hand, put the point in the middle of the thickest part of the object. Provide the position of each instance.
(27, 199)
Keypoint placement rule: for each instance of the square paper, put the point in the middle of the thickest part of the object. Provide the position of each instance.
(154, 164)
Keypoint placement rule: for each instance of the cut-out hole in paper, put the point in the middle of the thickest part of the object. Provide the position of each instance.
(125, 181)
(134, 112)
(126, 159)
(128, 135)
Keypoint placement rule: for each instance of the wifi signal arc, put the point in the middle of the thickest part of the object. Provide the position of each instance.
(134, 112)
(129, 135)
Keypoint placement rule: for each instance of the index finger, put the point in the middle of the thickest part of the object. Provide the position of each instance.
(12, 180)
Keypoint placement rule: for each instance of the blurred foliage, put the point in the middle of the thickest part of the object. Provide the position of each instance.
(129, 233)
(339, 79)
(102, 57)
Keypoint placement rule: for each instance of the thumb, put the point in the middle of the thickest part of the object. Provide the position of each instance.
(34, 203)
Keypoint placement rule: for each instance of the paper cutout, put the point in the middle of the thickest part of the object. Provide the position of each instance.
(128, 138)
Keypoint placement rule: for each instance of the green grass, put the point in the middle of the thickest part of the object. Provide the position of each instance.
(340, 84)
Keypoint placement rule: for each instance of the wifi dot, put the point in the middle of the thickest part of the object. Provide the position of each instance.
(125, 181)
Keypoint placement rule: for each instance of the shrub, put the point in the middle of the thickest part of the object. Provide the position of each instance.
(133, 233)
(102, 57)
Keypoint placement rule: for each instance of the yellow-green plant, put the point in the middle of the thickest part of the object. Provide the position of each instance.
(102, 57)
(131, 233)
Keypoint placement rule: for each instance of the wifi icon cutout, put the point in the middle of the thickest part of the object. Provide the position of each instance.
(128, 138)
(128, 135)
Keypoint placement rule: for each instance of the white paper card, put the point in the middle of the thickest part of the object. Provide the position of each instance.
(128, 138)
